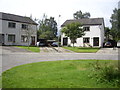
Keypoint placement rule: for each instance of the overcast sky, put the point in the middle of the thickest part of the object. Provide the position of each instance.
(65, 8)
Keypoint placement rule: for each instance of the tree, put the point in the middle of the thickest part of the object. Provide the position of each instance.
(115, 21)
(73, 31)
(47, 28)
(107, 33)
(29, 31)
(80, 15)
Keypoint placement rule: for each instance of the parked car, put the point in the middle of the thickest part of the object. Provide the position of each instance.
(110, 43)
(118, 44)
(42, 42)
(55, 44)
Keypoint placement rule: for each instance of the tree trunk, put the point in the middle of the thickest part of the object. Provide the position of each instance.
(73, 44)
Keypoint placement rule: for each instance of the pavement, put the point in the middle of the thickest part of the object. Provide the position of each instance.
(54, 50)
(12, 56)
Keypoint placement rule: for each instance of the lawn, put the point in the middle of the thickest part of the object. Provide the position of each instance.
(31, 48)
(82, 49)
(54, 74)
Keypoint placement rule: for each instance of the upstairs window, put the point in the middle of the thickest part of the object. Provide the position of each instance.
(24, 26)
(86, 28)
(11, 25)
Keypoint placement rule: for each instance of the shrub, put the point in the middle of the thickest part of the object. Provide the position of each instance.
(106, 72)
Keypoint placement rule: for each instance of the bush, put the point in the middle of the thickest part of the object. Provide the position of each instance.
(107, 72)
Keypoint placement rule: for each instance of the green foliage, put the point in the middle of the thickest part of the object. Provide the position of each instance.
(47, 28)
(107, 72)
(31, 48)
(80, 15)
(82, 49)
(107, 33)
(115, 21)
(73, 31)
(52, 74)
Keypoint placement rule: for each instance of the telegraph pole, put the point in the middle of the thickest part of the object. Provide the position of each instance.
(58, 30)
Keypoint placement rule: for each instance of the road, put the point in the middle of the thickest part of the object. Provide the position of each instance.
(13, 57)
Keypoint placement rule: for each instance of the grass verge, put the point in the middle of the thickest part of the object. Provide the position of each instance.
(82, 49)
(54, 74)
(31, 48)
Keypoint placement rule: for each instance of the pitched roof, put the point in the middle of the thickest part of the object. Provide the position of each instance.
(17, 18)
(87, 21)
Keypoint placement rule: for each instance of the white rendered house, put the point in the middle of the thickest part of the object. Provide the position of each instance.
(15, 29)
(94, 33)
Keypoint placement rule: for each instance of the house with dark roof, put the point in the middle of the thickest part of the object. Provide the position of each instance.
(17, 30)
(94, 33)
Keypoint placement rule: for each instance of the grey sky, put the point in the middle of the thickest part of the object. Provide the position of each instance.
(66, 8)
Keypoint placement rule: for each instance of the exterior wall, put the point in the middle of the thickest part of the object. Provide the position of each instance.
(17, 32)
(0, 23)
(95, 31)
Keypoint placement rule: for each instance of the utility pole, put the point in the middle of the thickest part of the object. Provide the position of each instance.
(58, 30)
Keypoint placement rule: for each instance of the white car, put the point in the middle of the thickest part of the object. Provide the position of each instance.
(118, 44)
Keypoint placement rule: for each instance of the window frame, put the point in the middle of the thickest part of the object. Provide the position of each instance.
(86, 28)
(12, 38)
(86, 40)
(23, 37)
(11, 25)
(24, 26)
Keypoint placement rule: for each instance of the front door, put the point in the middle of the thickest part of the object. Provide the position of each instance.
(33, 40)
(65, 41)
(96, 41)
(1, 39)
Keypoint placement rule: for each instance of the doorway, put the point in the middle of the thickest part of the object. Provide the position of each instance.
(96, 41)
(33, 40)
(1, 39)
(65, 41)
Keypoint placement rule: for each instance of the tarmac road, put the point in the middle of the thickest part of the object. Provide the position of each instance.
(11, 56)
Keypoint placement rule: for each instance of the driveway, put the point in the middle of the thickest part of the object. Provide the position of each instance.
(11, 57)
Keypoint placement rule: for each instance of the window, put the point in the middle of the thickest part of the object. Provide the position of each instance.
(23, 38)
(11, 38)
(86, 28)
(24, 26)
(11, 25)
(86, 40)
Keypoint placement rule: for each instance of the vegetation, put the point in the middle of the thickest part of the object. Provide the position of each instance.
(0, 81)
(47, 28)
(31, 48)
(107, 72)
(82, 49)
(115, 21)
(55, 74)
(80, 15)
(107, 33)
(73, 31)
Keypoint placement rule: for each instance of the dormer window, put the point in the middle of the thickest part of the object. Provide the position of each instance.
(24, 26)
(86, 28)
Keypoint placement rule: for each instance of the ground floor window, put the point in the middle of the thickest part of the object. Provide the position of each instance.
(24, 38)
(11, 38)
(86, 40)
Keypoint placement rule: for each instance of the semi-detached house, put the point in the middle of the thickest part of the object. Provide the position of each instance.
(17, 30)
(94, 33)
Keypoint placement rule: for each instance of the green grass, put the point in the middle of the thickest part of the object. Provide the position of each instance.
(0, 82)
(31, 48)
(53, 74)
(82, 49)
